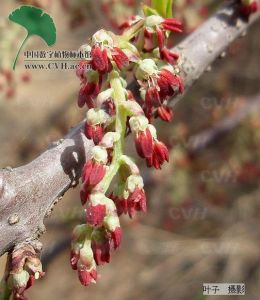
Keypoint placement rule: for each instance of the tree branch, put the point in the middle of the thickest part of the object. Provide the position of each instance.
(201, 140)
(28, 193)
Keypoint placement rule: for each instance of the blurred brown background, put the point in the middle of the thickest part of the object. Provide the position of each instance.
(203, 219)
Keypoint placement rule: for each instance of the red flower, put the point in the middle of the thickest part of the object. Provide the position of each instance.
(168, 83)
(86, 277)
(116, 237)
(152, 97)
(19, 292)
(93, 173)
(172, 25)
(95, 214)
(94, 132)
(109, 107)
(165, 113)
(100, 61)
(101, 247)
(120, 58)
(136, 202)
(149, 43)
(168, 56)
(121, 205)
(159, 27)
(159, 156)
(160, 38)
(84, 194)
(30, 282)
(87, 93)
(144, 143)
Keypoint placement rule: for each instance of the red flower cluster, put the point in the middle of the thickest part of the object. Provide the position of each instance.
(147, 145)
(92, 243)
(93, 172)
(155, 34)
(105, 55)
(90, 85)
(160, 89)
(172, 25)
(136, 201)
(102, 59)
(25, 266)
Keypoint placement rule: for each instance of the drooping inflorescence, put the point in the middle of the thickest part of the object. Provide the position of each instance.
(22, 269)
(113, 113)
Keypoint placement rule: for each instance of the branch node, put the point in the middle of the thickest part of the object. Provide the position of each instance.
(13, 219)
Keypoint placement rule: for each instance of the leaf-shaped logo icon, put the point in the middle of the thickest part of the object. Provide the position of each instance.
(36, 22)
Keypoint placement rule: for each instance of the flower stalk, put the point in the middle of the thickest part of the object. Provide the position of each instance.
(120, 127)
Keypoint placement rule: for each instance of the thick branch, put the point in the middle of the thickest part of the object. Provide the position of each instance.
(28, 193)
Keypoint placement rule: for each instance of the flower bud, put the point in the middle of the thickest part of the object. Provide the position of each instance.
(153, 21)
(138, 123)
(102, 37)
(165, 113)
(96, 116)
(134, 198)
(86, 265)
(86, 254)
(94, 132)
(99, 154)
(146, 68)
(109, 139)
(121, 59)
(19, 280)
(33, 266)
(104, 96)
(152, 129)
(133, 182)
(100, 246)
(160, 155)
(95, 215)
(111, 222)
(100, 199)
(133, 108)
(116, 237)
